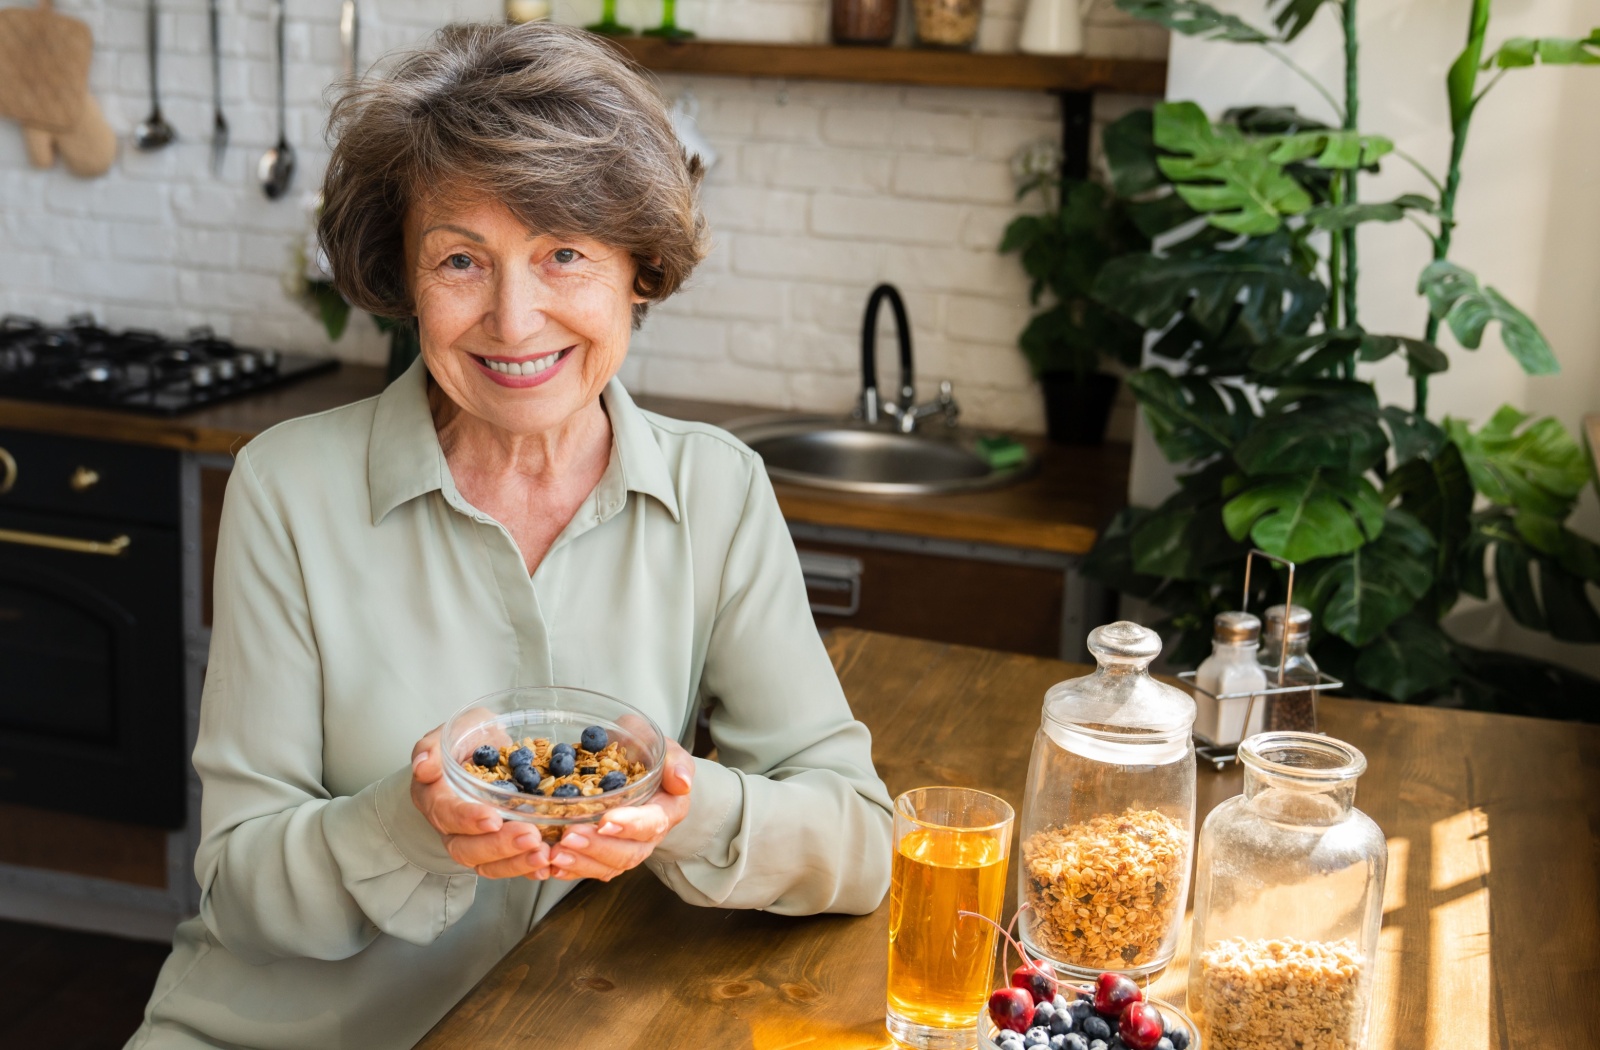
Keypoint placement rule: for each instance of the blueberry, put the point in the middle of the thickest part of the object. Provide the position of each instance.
(526, 776)
(1098, 1044)
(566, 791)
(512, 784)
(594, 738)
(520, 757)
(1061, 1004)
(1180, 1039)
(1058, 1042)
(563, 749)
(1082, 1010)
(613, 780)
(1042, 1014)
(1061, 1023)
(1008, 1038)
(1036, 1037)
(561, 763)
(486, 756)
(1164, 1043)
(1096, 1028)
(1076, 1041)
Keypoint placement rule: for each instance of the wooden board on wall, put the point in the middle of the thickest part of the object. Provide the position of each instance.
(36, 838)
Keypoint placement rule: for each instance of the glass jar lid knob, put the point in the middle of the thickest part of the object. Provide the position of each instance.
(1124, 642)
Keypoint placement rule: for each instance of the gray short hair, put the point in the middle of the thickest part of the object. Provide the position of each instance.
(549, 120)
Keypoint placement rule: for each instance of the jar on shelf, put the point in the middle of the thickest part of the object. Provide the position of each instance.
(948, 23)
(869, 22)
(1289, 665)
(1288, 902)
(1108, 817)
(1232, 670)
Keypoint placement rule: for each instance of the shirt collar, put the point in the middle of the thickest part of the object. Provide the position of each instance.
(404, 459)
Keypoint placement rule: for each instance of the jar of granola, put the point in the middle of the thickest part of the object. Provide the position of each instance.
(948, 23)
(1287, 903)
(1108, 818)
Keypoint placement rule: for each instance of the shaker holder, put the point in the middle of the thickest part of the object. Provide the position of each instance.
(1219, 755)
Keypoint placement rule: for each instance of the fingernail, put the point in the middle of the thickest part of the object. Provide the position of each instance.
(526, 841)
(561, 860)
(609, 828)
(576, 841)
(683, 772)
(489, 824)
(422, 756)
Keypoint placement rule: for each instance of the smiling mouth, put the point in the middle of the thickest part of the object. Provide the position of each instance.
(531, 367)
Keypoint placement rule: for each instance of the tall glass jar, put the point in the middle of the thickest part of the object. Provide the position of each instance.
(863, 21)
(1287, 903)
(1108, 818)
(1290, 665)
(948, 23)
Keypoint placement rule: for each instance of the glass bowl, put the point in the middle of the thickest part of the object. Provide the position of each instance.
(988, 1034)
(558, 714)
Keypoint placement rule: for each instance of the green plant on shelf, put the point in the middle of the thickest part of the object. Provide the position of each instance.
(669, 28)
(608, 24)
(1254, 390)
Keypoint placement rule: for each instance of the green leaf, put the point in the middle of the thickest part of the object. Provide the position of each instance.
(1295, 15)
(1455, 298)
(1461, 82)
(1363, 592)
(1128, 144)
(1344, 216)
(1566, 564)
(1513, 574)
(1537, 468)
(1300, 517)
(1412, 435)
(1422, 358)
(1021, 232)
(1410, 658)
(1252, 287)
(1221, 172)
(1193, 18)
(1298, 357)
(1184, 539)
(1190, 416)
(1437, 492)
(332, 309)
(1339, 436)
(1522, 51)
(1333, 148)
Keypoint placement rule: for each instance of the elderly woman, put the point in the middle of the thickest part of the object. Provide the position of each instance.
(502, 515)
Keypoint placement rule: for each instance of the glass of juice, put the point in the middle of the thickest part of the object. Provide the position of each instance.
(950, 850)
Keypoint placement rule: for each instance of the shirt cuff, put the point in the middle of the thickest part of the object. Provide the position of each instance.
(409, 831)
(716, 799)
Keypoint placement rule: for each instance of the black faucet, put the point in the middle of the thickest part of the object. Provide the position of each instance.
(903, 409)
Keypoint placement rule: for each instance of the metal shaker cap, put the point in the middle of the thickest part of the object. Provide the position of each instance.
(1298, 617)
(1236, 628)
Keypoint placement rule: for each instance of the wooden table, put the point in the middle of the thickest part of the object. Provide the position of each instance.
(1491, 909)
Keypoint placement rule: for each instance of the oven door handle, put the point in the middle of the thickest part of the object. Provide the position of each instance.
(111, 548)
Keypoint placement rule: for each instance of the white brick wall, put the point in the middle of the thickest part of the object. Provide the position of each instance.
(821, 191)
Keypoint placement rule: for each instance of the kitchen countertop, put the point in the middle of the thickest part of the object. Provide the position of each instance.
(1060, 509)
(1473, 954)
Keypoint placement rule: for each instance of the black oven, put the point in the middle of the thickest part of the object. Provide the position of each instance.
(91, 628)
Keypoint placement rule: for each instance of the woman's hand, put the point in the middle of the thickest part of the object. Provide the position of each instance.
(629, 834)
(474, 834)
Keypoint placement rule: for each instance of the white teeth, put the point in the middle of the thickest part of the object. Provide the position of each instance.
(523, 368)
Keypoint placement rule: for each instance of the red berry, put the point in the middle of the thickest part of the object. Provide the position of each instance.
(1113, 992)
(1140, 1026)
(1037, 980)
(1011, 1008)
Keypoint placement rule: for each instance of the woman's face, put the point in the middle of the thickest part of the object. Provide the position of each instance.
(520, 329)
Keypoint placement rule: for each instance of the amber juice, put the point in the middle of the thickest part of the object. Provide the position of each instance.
(940, 960)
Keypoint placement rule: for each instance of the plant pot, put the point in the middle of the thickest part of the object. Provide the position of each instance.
(1077, 408)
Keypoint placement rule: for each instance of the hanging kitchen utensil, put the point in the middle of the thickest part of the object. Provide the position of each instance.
(155, 132)
(349, 35)
(44, 66)
(276, 169)
(219, 124)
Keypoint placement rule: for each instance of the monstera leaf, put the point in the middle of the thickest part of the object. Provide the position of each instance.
(1412, 657)
(1436, 491)
(1254, 287)
(1128, 144)
(1565, 562)
(1299, 357)
(1344, 216)
(1422, 357)
(1225, 174)
(1549, 50)
(1318, 514)
(1194, 18)
(1455, 298)
(1412, 435)
(1184, 539)
(1320, 423)
(1295, 15)
(1191, 417)
(1537, 468)
(1331, 148)
(1363, 592)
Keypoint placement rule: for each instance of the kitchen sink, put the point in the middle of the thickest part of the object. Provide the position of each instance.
(846, 455)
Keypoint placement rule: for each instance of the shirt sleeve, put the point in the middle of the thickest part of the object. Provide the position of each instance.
(794, 819)
(286, 869)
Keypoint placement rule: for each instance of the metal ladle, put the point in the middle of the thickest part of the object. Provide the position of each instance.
(155, 132)
(276, 169)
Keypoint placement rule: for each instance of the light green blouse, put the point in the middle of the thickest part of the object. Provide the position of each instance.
(360, 600)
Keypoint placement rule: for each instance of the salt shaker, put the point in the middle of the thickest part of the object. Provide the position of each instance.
(1232, 668)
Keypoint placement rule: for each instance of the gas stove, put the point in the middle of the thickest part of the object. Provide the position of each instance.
(81, 363)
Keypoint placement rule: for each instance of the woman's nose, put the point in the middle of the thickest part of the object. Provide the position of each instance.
(518, 311)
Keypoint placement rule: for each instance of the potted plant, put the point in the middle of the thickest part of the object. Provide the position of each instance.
(1253, 388)
(1063, 247)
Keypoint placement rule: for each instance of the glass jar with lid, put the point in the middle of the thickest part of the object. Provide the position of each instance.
(1288, 901)
(1234, 671)
(948, 23)
(1108, 817)
(1288, 663)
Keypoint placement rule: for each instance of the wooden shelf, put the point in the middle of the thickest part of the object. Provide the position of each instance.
(899, 65)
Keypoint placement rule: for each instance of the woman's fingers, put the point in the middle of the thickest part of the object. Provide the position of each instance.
(425, 764)
(534, 865)
(594, 862)
(450, 814)
(514, 839)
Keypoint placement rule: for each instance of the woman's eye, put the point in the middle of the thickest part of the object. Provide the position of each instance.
(566, 255)
(459, 261)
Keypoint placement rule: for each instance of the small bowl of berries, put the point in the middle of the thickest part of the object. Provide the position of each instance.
(1112, 1014)
(552, 755)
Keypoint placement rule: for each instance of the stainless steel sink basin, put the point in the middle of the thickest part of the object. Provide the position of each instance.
(827, 452)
